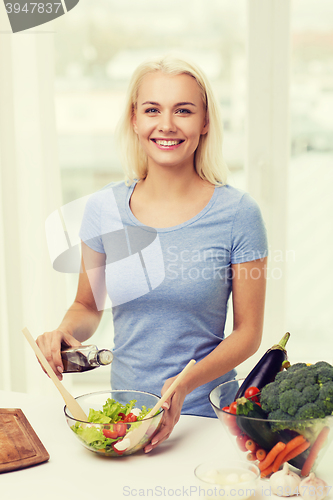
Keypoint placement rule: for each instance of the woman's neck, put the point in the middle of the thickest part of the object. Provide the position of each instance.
(166, 184)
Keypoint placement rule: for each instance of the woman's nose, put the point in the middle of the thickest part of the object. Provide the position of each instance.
(166, 123)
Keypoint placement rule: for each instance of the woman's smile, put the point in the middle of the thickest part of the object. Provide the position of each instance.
(167, 144)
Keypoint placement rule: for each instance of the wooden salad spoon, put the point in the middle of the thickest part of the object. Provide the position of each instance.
(70, 401)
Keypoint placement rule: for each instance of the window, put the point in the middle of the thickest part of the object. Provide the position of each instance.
(310, 203)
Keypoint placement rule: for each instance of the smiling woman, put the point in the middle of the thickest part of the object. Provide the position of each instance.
(180, 198)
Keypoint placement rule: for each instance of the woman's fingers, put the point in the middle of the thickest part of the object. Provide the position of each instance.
(170, 418)
(50, 345)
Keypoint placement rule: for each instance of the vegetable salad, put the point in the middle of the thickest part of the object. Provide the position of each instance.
(114, 416)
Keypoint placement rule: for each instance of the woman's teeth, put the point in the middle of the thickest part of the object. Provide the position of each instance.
(168, 143)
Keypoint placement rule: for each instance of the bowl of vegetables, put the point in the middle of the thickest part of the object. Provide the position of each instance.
(286, 420)
(112, 415)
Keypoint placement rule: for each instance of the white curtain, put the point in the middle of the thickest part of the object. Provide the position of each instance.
(31, 292)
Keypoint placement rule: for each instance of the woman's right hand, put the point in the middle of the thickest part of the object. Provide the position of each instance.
(50, 345)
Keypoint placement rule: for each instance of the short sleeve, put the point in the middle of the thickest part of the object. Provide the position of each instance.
(90, 231)
(249, 236)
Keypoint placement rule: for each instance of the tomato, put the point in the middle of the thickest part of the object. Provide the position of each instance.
(227, 417)
(115, 449)
(110, 433)
(241, 440)
(122, 416)
(251, 393)
(121, 429)
(233, 427)
(130, 418)
(233, 408)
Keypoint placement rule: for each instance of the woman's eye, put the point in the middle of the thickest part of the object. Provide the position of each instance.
(184, 111)
(151, 110)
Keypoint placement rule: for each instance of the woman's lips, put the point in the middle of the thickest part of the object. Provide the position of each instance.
(167, 144)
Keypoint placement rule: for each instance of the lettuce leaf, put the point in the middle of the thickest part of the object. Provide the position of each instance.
(98, 417)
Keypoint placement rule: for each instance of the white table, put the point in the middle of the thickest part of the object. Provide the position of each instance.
(76, 473)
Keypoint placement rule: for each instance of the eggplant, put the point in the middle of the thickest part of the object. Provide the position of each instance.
(267, 367)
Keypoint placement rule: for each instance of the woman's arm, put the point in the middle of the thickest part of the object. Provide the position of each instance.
(248, 296)
(83, 317)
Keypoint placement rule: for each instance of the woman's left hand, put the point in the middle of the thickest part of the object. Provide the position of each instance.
(172, 408)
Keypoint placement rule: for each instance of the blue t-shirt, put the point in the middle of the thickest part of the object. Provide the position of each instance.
(169, 287)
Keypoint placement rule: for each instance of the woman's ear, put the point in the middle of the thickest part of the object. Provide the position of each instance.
(205, 127)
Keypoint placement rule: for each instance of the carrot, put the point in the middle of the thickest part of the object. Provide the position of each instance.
(271, 455)
(251, 456)
(266, 472)
(250, 445)
(293, 443)
(316, 447)
(297, 451)
(261, 454)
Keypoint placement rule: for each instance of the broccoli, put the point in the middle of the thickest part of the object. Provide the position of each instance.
(290, 401)
(310, 410)
(270, 400)
(326, 396)
(279, 415)
(300, 392)
(324, 373)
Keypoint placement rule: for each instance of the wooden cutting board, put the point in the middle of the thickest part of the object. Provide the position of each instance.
(20, 446)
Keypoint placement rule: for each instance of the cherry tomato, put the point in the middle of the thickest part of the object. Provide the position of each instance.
(233, 427)
(130, 418)
(241, 440)
(122, 416)
(110, 433)
(251, 393)
(115, 449)
(229, 419)
(226, 416)
(121, 429)
(233, 408)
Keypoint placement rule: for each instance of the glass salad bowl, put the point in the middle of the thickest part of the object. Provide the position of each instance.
(110, 419)
(252, 435)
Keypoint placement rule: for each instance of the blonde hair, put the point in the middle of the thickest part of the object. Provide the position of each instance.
(209, 162)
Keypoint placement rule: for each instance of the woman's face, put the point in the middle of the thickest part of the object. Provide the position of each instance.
(169, 119)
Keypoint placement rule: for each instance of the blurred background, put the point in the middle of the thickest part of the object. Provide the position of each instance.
(271, 67)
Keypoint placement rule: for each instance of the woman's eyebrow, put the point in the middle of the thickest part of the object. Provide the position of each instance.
(185, 103)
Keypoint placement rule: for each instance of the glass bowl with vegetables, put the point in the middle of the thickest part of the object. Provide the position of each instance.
(111, 416)
(287, 420)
